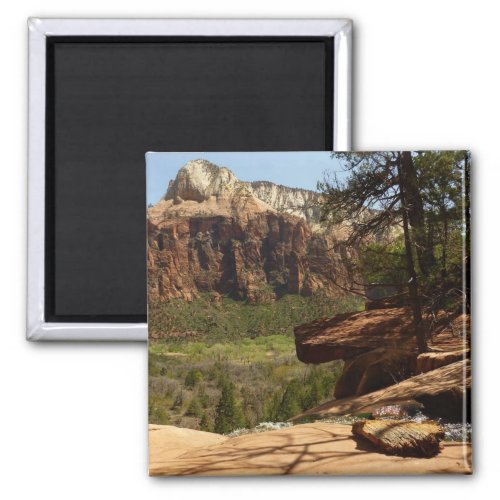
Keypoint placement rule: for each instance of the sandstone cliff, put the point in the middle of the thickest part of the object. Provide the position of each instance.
(252, 241)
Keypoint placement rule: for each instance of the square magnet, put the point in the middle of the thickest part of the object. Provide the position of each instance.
(102, 92)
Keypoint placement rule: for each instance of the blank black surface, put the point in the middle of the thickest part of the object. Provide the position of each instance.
(111, 100)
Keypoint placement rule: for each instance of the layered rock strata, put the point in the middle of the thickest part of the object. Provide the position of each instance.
(251, 241)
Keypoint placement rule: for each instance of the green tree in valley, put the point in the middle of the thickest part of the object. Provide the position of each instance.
(193, 378)
(291, 401)
(228, 413)
(194, 409)
(205, 423)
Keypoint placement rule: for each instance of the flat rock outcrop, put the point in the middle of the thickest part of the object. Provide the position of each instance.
(406, 439)
(347, 335)
(378, 346)
(168, 441)
(307, 449)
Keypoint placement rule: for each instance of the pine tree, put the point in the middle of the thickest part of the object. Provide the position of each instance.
(194, 408)
(228, 414)
(314, 392)
(205, 424)
(425, 194)
(291, 402)
(381, 192)
(193, 378)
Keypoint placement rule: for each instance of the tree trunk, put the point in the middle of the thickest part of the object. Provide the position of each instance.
(413, 282)
(416, 217)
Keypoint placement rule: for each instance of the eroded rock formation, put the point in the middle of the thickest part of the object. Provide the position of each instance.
(266, 255)
(198, 180)
(252, 241)
(378, 347)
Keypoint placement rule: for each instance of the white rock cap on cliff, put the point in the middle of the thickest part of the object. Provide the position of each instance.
(198, 180)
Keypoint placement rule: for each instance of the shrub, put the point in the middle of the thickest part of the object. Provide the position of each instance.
(194, 409)
(158, 415)
(193, 378)
(206, 423)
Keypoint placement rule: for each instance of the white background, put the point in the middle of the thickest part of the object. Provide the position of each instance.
(73, 416)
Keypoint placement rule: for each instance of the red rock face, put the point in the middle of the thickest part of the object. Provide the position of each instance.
(378, 347)
(352, 334)
(256, 258)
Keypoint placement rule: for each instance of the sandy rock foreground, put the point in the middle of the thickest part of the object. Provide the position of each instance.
(317, 448)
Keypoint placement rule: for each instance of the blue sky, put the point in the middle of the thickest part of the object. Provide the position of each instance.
(293, 169)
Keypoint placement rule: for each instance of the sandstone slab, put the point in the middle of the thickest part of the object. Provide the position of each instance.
(167, 441)
(347, 335)
(308, 449)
